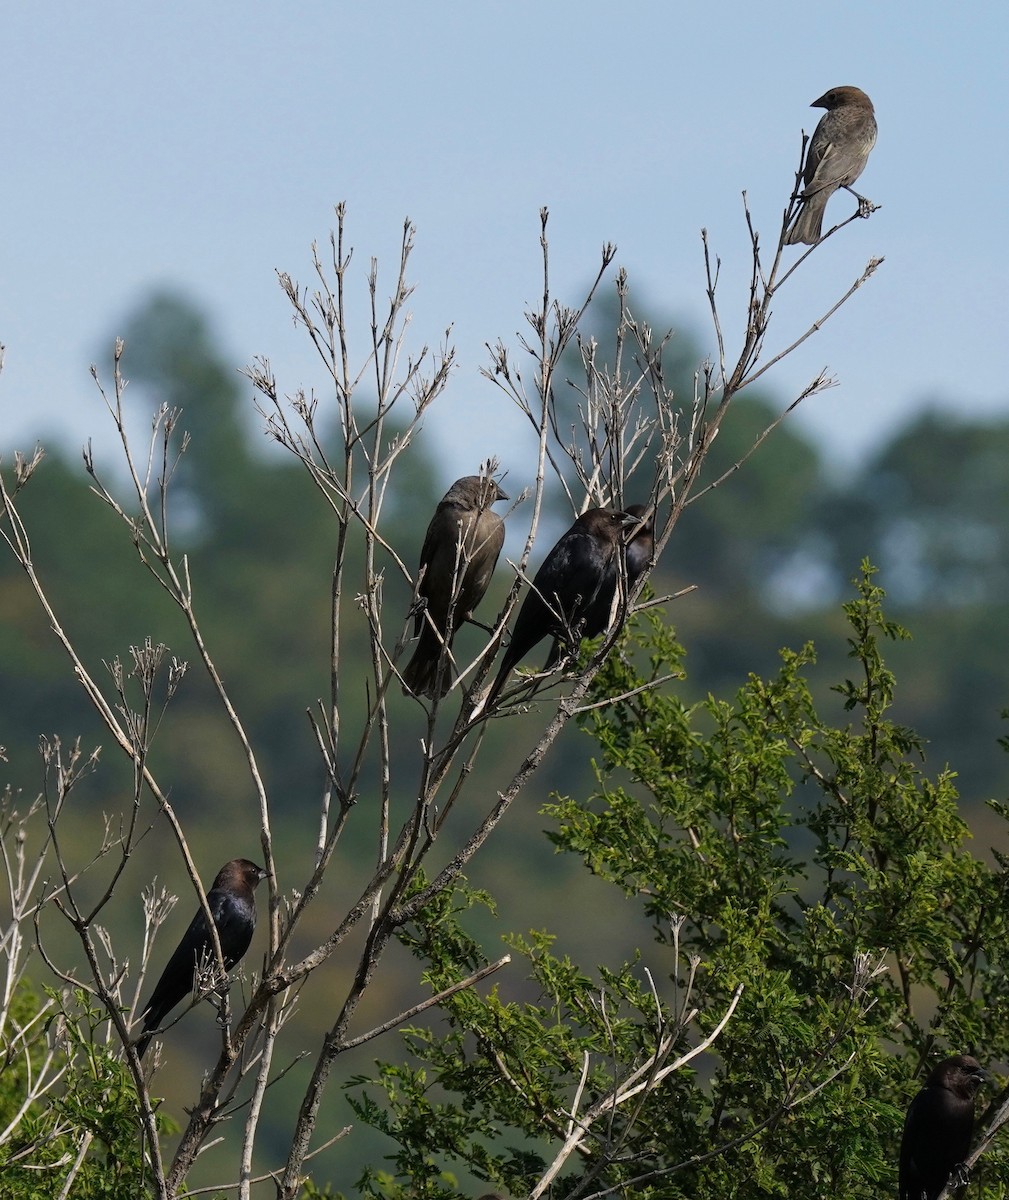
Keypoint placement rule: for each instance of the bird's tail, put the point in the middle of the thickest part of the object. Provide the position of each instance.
(495, 688)
(429, 672)
(807, 225)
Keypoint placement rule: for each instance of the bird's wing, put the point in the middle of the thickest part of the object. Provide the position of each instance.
(176, 980)
(235, 918)
(433, 555)
(830, 170)
(580, 569)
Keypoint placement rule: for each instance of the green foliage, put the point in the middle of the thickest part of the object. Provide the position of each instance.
(810, 887)
(778, 843)
(84, 1126)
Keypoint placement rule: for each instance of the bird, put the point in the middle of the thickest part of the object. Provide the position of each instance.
(571, 591)
(938, 1128)
(837, 155)
(457, 560)
(639, 550)
(637, 555)
(232, 904)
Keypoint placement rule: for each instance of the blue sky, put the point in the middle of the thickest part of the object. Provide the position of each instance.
(203, 147)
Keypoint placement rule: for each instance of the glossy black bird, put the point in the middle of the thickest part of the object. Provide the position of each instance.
(637, 556)
(641, 547)
(938, 1127)
(232, 904)
(570, 592)
(457, 561)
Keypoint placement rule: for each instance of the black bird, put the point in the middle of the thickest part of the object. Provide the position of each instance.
(637, 556)
(572, 592)
(641, 547)
(232, 904)
(460, 551)
(938, 1127)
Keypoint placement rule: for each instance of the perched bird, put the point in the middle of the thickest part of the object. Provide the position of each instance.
(637, 555)
(460, 551)
(641, 547)
(938, 1127)
(571, 591)
(837, 156)
(232, 904)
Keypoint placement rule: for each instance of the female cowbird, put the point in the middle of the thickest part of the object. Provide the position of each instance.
(837, 155)
(938, 1127)
(572, 592)
(457, 561)
(232, 904)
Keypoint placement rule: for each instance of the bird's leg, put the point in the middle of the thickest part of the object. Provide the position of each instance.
(865, 206)
(417, 608)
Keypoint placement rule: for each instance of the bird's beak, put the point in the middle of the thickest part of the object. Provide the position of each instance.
(502, 494)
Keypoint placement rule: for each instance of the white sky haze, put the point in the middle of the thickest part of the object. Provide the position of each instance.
(202, 147)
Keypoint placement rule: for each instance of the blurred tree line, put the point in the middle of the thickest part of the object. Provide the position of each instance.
(770, 551)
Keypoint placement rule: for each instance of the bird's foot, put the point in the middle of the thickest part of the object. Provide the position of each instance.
(960, 1175)
(865, 206)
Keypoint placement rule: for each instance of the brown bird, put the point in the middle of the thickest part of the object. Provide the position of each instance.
(836, 157)
(572, 592)
(460, 551)
(232, 904)
(938, 1128)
